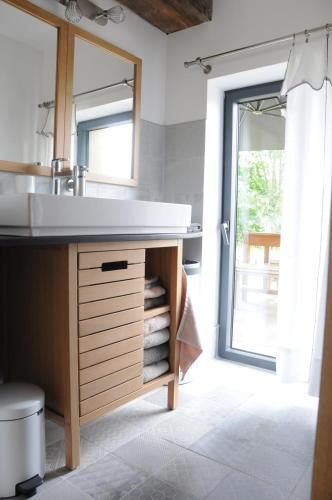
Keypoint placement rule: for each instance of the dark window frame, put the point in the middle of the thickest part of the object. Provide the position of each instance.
(227, 255)
(83, 129)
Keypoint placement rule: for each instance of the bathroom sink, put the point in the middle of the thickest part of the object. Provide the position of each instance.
(35, 214)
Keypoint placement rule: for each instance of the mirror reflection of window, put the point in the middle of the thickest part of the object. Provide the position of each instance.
(111, 142)
(28, 51)
(105, 144)
(103, 112)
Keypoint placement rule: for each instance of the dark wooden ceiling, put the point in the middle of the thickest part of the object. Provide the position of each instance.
(171, 15)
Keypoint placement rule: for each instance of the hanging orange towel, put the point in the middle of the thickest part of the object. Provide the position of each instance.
(187, 335)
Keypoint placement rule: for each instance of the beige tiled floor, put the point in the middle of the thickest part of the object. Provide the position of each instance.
(237, 435)
(255, 321)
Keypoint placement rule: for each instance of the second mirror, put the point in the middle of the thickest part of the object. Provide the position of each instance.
(103, 113)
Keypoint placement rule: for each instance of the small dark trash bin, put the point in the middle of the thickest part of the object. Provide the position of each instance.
(192, 267)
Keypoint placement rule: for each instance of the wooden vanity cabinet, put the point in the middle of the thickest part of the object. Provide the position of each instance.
(74, 324)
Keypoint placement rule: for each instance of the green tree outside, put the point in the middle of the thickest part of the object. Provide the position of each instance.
(259, 192)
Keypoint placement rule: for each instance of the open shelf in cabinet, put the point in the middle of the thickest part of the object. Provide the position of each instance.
(151, 313)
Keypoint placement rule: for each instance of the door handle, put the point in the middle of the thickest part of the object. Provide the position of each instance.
(114, 266)
(225, 232)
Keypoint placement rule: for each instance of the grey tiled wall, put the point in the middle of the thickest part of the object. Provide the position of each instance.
(184, 173)
(184, 165)
(152, 161)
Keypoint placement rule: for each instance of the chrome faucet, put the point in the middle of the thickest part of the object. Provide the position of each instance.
(58, 173)
(79, 178)
(76, 178)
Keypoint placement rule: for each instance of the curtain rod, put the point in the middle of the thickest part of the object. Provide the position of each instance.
(124, 82)
(200, 61)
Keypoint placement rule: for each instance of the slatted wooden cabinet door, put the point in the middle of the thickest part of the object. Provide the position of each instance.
(110, 325)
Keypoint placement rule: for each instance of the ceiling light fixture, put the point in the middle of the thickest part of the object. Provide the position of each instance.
(115, 14)
(73, 12)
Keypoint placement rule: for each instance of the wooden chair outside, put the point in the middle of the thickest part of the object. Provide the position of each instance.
(269, 270)
(266, 240)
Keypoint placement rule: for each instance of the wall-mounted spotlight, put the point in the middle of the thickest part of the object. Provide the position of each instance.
(73, 12)
(115, 14)
(76, 9)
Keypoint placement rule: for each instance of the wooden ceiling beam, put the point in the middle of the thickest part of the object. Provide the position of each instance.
(171, 15)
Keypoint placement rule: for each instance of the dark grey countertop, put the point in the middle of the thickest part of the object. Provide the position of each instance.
(13, 241)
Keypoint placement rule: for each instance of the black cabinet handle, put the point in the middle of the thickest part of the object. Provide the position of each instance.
(114, 266)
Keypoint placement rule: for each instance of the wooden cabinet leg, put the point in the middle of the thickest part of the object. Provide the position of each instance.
(175, 302)
(72, 444)
(173, 395)
(173, 386)
(71, 402)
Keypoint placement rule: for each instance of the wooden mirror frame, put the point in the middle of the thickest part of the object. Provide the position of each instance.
(66, 34)
(76, 32)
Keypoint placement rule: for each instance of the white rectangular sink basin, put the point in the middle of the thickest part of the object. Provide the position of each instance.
(36, 214)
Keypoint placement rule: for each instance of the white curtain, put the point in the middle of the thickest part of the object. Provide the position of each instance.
(306, 212)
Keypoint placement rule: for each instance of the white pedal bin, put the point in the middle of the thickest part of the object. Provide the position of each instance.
(22, 439)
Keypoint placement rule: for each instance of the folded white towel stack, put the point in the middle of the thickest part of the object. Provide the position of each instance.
(157, 323)
(156, 338)
(155, 302)
(154, 293)
(156, 370)
(156, 331)
(151, 281)
(155, 354)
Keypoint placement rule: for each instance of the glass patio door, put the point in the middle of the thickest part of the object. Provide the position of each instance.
(251, 223)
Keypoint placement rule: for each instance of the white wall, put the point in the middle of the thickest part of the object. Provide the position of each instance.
(141, 39)
(234, 24)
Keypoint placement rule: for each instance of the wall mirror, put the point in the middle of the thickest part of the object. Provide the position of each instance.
(28, 61)
(105, 112)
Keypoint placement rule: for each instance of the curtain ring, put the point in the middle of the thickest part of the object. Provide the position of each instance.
(294, 40)
(328, 27)
(307, 35)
